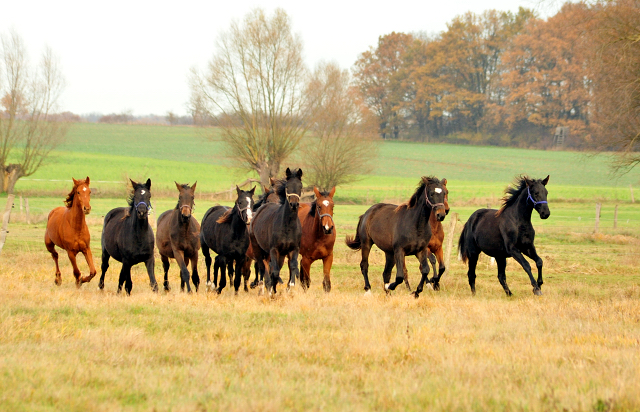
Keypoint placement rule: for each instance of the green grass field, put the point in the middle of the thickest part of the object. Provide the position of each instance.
(576, 348)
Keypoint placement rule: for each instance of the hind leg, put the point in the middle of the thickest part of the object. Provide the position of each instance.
(424, 269)
(217, 266)
(398, 256)
(238, 275)
(471, 274)
(165, 267)
(327, 262)
(246, 273)
(502, 274)
(123, 276)
(207, 262)
(305, 273)
(51, 247)
(230, 271)
(195, 278)
(151, 265)
(439, 255)
(221, 263)
(364, 265)
(103, 268)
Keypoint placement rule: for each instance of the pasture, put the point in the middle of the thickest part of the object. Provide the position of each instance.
(575, 348)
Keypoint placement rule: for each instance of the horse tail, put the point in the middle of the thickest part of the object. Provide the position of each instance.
(465, 238)
(354, 242)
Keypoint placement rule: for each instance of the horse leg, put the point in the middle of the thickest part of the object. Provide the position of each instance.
(439, 255)
(51, 247)
(273, 276)
(123, 275)
(305, 273)
(195, 278)
(184, 271)
(128, 284)
(217, 267)
(501, 261)
(246, 273)
(207, 262)
(424, 269)
(259, 269)
(389, 263)
(517, 256)
(364, 265)
(327, 262)
(220, 263)
(256, 269)
(104, 267)
(406, 277)
(150, 264)
(92, 269)
(471, 273)
(165, 266)
(399, 258)
(230, 271)
(238, 275)
(76, 271)
(294, 271)
(533, 255)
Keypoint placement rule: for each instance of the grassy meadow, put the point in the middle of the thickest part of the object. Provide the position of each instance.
(576, 348)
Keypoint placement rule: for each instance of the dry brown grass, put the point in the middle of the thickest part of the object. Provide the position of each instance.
(576, 348)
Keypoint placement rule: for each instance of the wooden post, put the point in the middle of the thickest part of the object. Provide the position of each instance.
(5, 220)
(631, 189)
(20, 203)
(26, 206)
(598, 207)
(615, 217)
(449, 237)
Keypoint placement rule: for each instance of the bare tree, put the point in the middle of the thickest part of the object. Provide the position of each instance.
(341, 144)
(254, 90)
(28, 128)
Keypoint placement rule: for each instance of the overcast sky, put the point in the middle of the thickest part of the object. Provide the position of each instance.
(133, 55)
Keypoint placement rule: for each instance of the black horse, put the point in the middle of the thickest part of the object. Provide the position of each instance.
(224, 230)
(507, 232)
(275, 232)
(400, 231)
(128, 237)
(177, 238)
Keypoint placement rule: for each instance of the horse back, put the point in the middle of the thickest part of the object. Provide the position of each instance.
(486, 231)
(379, 224)
(63, 234)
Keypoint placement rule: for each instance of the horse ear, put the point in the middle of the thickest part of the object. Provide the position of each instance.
(272, 182)
(264, 189)
(299, 173)
(75, 182)
(527, 181)
(288, 173)
(193, 188)
(177, 186)
(133, 184)
(148, 184)
(332, 192)
(87, 180)
(545, 180)
(252, 191)
(444, 182)
(316, 192)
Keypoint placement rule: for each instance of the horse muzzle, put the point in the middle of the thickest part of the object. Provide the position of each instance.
(86, 210)
(185, 210)
(142, 212)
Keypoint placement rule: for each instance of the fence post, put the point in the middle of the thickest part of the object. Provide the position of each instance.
(615, 217)
(631, 189)
(598, 207)
(450, 233)
(5, 220)
(20, 203)
(26, 206)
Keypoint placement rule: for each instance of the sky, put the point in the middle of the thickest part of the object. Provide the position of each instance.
(136, 55)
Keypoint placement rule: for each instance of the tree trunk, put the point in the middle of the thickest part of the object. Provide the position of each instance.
(11, 174)
(266, 170)
(5, 220)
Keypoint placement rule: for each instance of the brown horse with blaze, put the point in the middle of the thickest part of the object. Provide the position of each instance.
(318, 236)
(67, 229)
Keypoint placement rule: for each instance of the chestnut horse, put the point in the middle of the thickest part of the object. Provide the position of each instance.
(318, 236)
(178, 237)
(67, 229)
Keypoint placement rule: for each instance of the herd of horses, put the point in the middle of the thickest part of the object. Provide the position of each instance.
(278, 226)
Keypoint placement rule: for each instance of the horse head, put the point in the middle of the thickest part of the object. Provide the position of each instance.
(244, 203)
(293, 188)
(537, 194)
(82, 194)
(186, 199)
(324, 209)
(141, 198)
(434, 196)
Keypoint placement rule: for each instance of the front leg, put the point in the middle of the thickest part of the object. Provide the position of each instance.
(305, 272)
(76, 271)
(294, 271)
(184, 272)
(326, 269)
(533, 255)
(518, 257)
(151, 265)
(238, 276)
(165, 267)
(424, 268)
(92, 269)
(399, 258)
(439, 255)
(195, 278)
(273, 274)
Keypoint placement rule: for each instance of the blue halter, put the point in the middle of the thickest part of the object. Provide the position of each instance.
(532, 200)
(141, 203)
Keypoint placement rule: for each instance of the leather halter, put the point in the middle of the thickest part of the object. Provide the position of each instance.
(529, 197)
(242, 210)
(291, 194)
(426, 197)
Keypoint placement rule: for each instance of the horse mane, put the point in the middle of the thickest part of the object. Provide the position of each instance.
(227, 216)
(312, 209)
(280, 189)
(262, 199)
(424, 182)
(68, 202)
(512, 193)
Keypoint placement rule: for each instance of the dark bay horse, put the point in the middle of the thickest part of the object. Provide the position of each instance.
(507, 232)
(268, 196)
(178, 238)
(400, 231)
(67, 229)
(128, 237)
(224, 230)
(318, 236)
(435, 244)
(275, 232)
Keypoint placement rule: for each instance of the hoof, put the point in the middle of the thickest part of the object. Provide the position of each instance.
(101, 286)
(154, 288)
(291, 284)
(509, 294)
(58, 281)
(430, 286)
(386, 286)
(537, 292)
(368, 293)
(436, 286)
(415, 295)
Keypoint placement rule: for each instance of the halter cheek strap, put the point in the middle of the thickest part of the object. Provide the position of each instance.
(426, 197)
(242, 210)
(529, 197)
(291, 194)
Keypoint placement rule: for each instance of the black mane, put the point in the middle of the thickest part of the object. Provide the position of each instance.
(424, 182)
(262, 199)
(511, 193)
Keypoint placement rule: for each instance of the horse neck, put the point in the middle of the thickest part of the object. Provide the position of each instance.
(141, 225)
(182, 225)
(421, 213)
(238, 225)
(523, 207)
(76, 214)
(288, 214)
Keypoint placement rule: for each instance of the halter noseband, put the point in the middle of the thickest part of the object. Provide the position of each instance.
(242, 210)
(291, 194)
(529, 197)
(140, 203)
(426, 197)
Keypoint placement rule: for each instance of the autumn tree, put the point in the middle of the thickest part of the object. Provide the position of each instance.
(341, 144)
(253, 89)
(29, 129)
